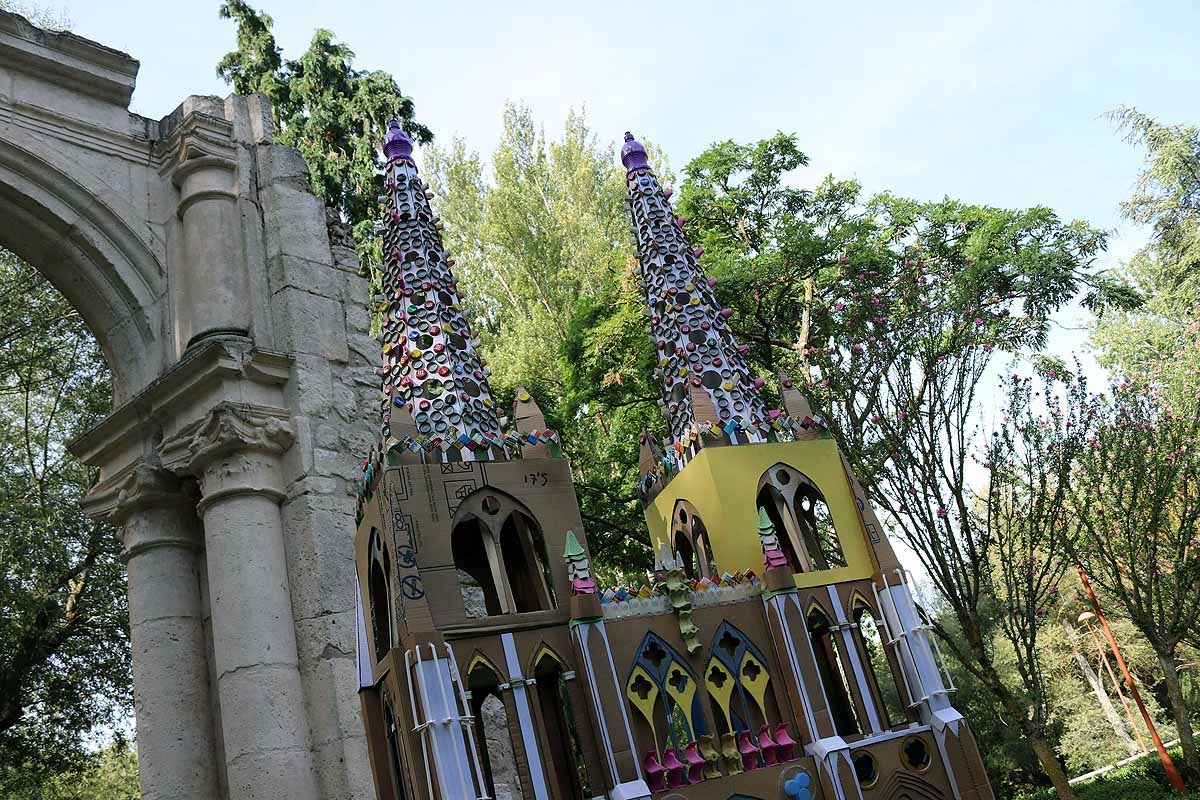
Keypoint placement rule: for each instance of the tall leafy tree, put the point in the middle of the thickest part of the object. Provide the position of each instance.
(1138, 497)
(334, 113)
(542, 246)
(893, 311)
(1166, 199)
(64, 649)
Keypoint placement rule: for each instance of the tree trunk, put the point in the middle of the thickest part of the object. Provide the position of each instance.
(1050, 764)
(1179, 712)
(1093, 680)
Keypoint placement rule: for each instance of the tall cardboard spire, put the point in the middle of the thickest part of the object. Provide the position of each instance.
(430, 367)
(689, 328)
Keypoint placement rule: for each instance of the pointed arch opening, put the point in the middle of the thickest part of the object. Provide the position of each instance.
(493, 733)
(526, 564)
(475, 561)
(802, 518)
(834, 676)
(738, 683)
(379, 590)
(395, 756)
(501, 557)
(567, 761)
(871, 637)
(691, 542)
(668, 699)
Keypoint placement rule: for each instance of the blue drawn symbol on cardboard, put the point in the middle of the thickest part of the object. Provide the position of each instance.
(405, 557)
(797, 787)
(411, 587)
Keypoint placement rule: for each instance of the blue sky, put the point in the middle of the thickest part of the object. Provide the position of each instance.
(997, 102)
(990, 102)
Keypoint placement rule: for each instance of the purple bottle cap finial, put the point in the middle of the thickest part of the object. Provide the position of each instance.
(633, 155)
(396, 143)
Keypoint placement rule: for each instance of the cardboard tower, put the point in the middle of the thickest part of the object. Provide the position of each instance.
(775, 654)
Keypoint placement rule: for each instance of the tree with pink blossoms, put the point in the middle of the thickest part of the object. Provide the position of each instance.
(1136, 495)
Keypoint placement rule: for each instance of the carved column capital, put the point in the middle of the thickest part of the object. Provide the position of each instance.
(234, 449)
(227, 428)
(149, 488)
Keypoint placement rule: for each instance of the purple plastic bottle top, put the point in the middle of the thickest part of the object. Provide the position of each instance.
(633, 155)
(396, 143)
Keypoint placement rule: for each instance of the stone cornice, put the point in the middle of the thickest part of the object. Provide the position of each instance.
(227, 428)
(86, 66)
(197, 371)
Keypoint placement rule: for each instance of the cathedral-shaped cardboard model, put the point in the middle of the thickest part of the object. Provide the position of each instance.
(776, 653)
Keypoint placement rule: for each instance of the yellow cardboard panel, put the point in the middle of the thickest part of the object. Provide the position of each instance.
(722, 483)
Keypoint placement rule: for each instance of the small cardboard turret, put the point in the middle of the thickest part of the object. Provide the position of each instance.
(529, 421)
(797, 407)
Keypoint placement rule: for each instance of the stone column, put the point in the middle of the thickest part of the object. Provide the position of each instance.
(235, 450)
(213, 298)
(162, 539)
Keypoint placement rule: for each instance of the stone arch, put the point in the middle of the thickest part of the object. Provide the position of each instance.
(90, 254)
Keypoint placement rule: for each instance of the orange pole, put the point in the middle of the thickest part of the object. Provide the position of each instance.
(1112, 676)
(1168, 764)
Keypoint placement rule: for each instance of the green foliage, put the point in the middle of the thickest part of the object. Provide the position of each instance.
(1167, 270)
(333, 113)
(110, 774)
(64, 650)
(1144, 779)
(543, 251)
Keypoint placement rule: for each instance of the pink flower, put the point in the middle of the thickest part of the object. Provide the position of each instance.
(825, 383)
(901, 415)
(979, 320)
(875, 418)
(839, 306)
(941, 512)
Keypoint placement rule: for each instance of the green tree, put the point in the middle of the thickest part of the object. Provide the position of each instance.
(110, 774)
(1138, 498)
(892, 312)
(542, 248)
(333, 113)
(1166, 199)
(64, 649)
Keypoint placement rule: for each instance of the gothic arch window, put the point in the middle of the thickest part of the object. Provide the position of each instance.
(871, 637)
(667, 697)
(691, 542)
(493, 732)
(802, 519)
(500, 557)
(737, 681)
(379, 589)
(526, 564)
(475, 561)
(567, 761)
(833, 673)
(395, 758)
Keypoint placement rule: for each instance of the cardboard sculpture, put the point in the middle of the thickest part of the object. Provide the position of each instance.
(757, 662)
